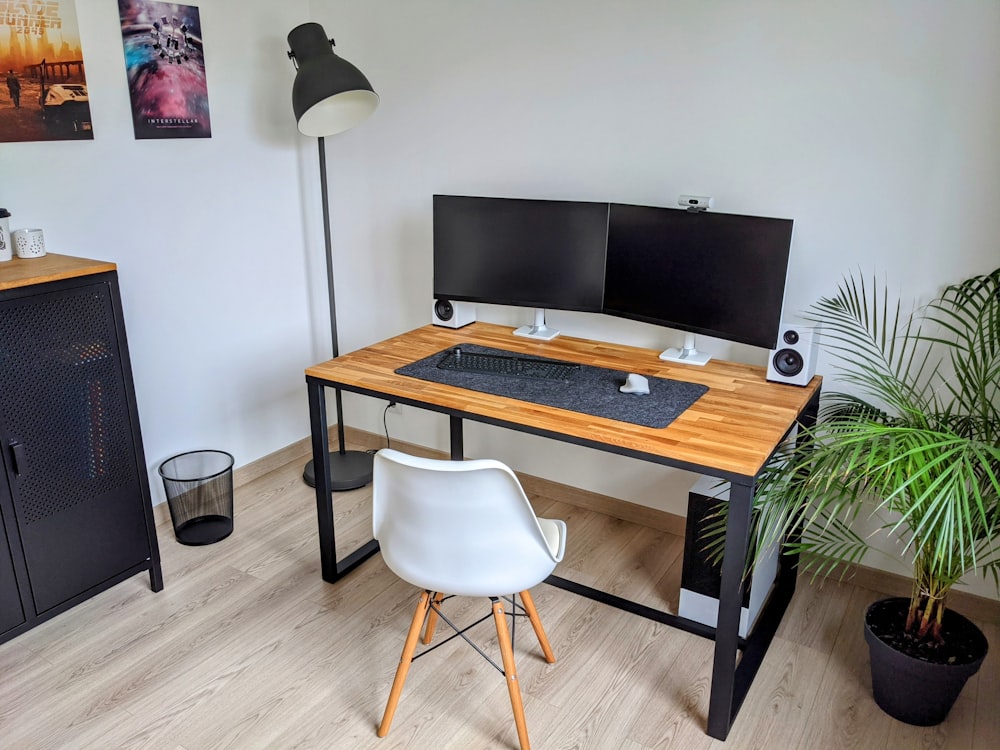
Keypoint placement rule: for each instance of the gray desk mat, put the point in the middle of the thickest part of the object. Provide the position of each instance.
(591, 390)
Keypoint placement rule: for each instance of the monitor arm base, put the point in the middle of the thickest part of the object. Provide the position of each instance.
(538, 330)
(687, 354)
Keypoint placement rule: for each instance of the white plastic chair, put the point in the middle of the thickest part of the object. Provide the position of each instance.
(462, 528)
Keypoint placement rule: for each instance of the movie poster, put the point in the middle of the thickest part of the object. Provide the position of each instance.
(43, 94)
(165, 63)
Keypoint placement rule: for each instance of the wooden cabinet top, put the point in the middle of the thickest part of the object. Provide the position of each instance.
(51, 267)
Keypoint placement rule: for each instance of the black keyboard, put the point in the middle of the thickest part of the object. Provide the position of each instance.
(509, 365)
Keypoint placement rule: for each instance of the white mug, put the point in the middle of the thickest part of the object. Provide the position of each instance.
(29, 243)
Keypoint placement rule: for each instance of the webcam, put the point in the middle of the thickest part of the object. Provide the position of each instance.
(695, 202)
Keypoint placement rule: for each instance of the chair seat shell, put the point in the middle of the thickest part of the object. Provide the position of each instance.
(461, 527)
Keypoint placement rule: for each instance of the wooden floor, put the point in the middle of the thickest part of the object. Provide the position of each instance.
(246, 647)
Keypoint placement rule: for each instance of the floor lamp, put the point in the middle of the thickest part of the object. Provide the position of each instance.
(330, 96)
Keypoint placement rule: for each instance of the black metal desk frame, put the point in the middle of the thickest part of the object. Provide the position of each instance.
(730, 681)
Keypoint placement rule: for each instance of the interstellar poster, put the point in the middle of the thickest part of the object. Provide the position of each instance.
(43, 94)
(165, 63)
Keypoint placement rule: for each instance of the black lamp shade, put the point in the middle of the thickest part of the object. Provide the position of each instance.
(329, 95)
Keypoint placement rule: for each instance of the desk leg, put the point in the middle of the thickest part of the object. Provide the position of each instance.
(724, 703)
(457, 439)
(330, 568)
(324, 501)
(788, 565)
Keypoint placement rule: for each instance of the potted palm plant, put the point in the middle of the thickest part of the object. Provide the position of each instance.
(914, 442)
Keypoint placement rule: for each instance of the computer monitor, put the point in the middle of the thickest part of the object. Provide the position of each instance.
(523, 252)
(701, 272)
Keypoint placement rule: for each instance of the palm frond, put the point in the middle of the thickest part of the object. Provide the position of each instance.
(914, 437)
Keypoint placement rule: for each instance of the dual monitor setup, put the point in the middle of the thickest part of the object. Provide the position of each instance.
(715, 274)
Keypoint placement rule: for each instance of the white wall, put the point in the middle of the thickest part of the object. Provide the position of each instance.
(209, 235)
(871, 124)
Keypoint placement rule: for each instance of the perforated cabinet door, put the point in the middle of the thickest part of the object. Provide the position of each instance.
(11, 611)
(67, 441)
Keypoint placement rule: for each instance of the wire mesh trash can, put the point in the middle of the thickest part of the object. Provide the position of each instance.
(199, 486)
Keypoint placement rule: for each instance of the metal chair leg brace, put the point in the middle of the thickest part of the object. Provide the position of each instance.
(460, 633)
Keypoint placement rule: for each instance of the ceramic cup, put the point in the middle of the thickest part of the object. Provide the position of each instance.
(28, 243)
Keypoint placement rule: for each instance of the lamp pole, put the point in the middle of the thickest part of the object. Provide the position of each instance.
(330, 96)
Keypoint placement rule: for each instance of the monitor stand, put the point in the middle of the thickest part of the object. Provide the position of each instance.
(538, 330)
(687, 354)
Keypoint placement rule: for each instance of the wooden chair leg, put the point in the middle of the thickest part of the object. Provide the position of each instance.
(432, 618)
(405, 660)
(510, 671)
(529, 606)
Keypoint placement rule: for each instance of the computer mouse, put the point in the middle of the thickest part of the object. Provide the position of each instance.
(635, 384)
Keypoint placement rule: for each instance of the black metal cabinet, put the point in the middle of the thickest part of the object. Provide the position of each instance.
(74, 493)
(11, 611)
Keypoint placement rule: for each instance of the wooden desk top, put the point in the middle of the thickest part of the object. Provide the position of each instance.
(729, 431)
(51, 267)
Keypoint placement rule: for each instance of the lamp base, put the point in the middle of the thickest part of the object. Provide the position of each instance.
(348, 470)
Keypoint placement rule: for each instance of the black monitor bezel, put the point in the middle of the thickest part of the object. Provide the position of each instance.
(516, 299)
(766, 334)
(763, 334)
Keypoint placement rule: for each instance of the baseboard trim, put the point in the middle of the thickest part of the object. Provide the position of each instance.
(972, 606)
(300, 449)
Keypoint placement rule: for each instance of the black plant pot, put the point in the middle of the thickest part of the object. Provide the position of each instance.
(911, 689)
